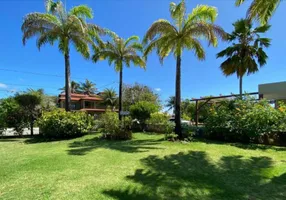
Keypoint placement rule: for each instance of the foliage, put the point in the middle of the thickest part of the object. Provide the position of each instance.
(170, 103)
(246, 51)
(61, 124)
(113, 128)
(30, 103)
(244, 120)
(121, 53)
(87, 87)
(64, 28)
(12, 116)
(75, 87)
(142, 111)
(138, 92)
(109, 97)
(261, 10)
(185, 33)
(159, 123)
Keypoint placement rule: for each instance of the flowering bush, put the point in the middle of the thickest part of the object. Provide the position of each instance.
(61, 124)
(245, 120)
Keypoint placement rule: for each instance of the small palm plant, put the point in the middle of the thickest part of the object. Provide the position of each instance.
(261, 10)
(110, 98)
(65, 27)
(246, 50)
(121, 53)
(87, 87)
(184, 33)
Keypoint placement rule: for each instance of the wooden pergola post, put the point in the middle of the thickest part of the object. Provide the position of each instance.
(197, 113)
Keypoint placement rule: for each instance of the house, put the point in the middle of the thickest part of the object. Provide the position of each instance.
(91, 103)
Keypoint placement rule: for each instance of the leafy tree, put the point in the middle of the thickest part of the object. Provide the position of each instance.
(65, 27)
(261, 10)
(184, 33)
(88, 87)
(120, 52)
(142, 111)
(12, 115)
(30, 102)
(138, 92)
(109, 97)
(246, 51)
(75, 87)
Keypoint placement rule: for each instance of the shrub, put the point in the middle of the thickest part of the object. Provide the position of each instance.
(112, 128)
(142, 111)
(244, 120)
(159, 123)
(61, 124)
(12, 116)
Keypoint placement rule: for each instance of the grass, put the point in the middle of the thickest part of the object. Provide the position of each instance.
(145, 168)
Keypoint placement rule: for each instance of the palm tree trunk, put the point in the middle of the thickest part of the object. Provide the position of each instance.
(240, 86)
(120, 92)
(68, 82)
(178, 128)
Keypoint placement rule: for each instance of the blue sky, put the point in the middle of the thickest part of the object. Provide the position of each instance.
(126, 18)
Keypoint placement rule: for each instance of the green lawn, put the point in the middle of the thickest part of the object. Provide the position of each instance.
(145, 168)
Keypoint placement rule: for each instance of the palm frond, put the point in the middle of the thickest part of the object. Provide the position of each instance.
(81, 45)
(131, 39)
(203, 13)
(159, 27)
(82, 11)
(178, 12)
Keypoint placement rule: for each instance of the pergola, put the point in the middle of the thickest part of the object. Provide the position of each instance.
(208, 100)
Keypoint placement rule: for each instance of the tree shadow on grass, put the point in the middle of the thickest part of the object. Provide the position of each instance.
(193, 176)
(246, 146)
(130, 146)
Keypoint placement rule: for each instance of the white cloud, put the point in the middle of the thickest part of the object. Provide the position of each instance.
(158, 89)
(2, 85)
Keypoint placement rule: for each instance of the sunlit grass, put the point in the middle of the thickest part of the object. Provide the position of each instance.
(145, 168)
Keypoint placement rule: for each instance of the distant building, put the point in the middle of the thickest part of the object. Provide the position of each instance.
(84, 102)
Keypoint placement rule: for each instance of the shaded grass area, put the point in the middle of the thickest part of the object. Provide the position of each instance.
(146, 167)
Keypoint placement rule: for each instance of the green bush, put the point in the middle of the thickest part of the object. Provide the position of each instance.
(61, 124)
(244, 120)
(142, 111)
(12, 116)
(159, 123)
(112, 128)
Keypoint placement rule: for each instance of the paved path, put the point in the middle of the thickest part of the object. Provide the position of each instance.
(11, 132)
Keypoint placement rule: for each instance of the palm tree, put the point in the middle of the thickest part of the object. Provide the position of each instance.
(109, 97)
(183, 34)
(88, 87)
(75, 87)
(65, 27)
(170, 103)
(120, 52)
(246, 50)
(261, 10)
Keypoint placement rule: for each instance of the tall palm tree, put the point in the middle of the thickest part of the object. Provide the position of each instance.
(121, 53)
(261, 10)
(64, 27)
(184, 33)
(75, 87)
(246, 50)
(88, 87)
(110, 97)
